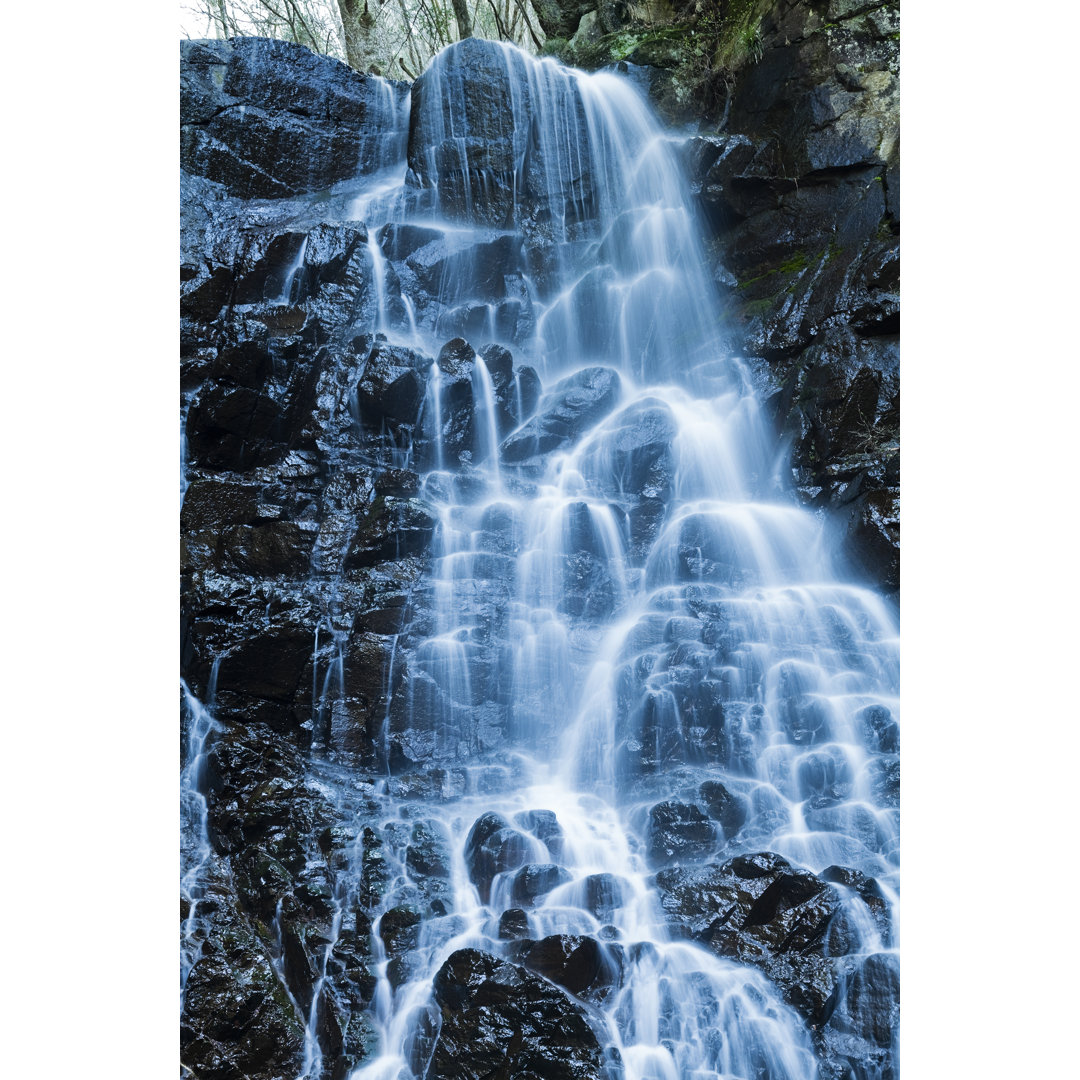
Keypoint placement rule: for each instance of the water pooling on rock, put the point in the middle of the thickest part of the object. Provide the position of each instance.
(640, 735)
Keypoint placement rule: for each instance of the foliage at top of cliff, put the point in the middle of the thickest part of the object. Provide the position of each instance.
(705, 45)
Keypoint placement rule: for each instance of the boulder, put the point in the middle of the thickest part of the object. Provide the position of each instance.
(393, 385)
(759, 910)
(576, 963)
(633, 456)
(513, 924)
(498, 1019)
(464, 432)
(535, 881)
(491, 848)
(723, 806)
(237, 1018)
(269, 119)
(544, 825)
(481, 146)
(565, 413)
(604, 893)
(677, 833)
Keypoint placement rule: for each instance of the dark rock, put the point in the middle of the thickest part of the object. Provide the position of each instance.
(826, 774)
(574, 962)
(801, 196)
(229, 426)
(873, 535)
(237, 1018)
(268, 664)
(678, 832)
(268, 118)
(276, 548)
(427, 855)
(455, 269)
(513, 923)
(399, 928)
(491, 848)
(544, 825)
(466, 92)
(463, 435)
(604, 893)
(565, 413)
(634, 456)
(872, 1001)
(758, 910)
(561, 18)
(723, 806)
(402, 482)
(527, 391)
(535, 881)
(391, 528)
(399, 240)
(467, 145)
(500, 1020)
(393, 385)
(885, 780)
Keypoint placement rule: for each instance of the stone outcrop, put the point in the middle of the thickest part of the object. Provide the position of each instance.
(294, 574)
(268, 118)
(497, 1019)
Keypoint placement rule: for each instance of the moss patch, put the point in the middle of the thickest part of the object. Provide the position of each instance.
(702, 51)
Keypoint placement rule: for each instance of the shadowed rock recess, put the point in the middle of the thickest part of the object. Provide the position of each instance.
(539, 555)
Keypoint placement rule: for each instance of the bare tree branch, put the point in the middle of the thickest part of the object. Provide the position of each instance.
(498, 22)
(532, 33)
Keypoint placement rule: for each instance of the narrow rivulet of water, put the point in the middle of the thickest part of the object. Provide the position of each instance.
(663, 604)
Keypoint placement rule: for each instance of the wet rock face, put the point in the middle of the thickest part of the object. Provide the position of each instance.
(678, 833)
(237, 1017)
(305, 539)
(800, 931)
(302, 537)
(475, 142)
(492, 848)
(497, 1019)
(535, 881)
(463, 426)
(270, 119)
(565, 413)
(574, 962)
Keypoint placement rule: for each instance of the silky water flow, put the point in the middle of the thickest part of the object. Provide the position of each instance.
(617, 609)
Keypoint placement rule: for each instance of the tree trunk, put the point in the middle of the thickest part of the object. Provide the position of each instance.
(358, 25)
(464, 23)
(220, 15)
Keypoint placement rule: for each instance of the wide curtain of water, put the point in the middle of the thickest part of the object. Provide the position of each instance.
(631, 599)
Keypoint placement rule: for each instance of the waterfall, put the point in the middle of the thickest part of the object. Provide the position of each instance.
(626, 617)
(603, 606)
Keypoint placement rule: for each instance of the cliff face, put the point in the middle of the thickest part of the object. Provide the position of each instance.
(305, 543)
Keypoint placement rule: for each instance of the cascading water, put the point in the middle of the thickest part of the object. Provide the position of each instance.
(648, 576)
(624, 604)
(195, 850)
